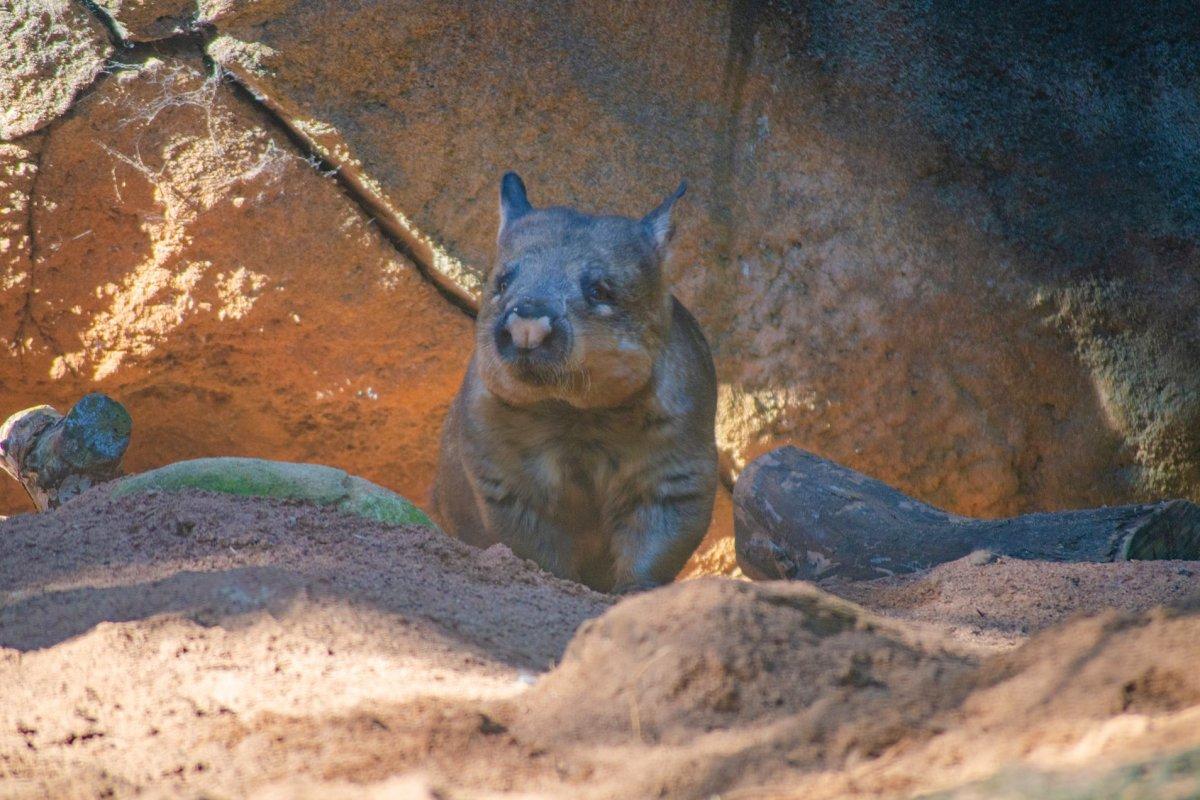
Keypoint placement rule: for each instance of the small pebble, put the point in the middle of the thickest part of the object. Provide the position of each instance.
(981, 557)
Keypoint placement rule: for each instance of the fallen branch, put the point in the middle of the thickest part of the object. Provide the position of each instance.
(57, 457)
(797, 515)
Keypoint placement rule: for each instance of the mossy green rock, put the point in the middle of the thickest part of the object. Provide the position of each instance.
(256, 477)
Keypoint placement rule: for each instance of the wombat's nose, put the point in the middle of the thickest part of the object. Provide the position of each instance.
(528, 324)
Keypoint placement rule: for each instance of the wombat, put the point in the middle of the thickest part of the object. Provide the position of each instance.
(582, 434)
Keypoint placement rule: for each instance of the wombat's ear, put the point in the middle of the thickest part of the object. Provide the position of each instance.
(658, 222)
(513, 202)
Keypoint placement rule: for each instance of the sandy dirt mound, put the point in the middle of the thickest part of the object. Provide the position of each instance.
(192, 642)
(196, 645)
(206, 557)
(1089, 694)
(713, 654)
(997, 602)
(732, 683)
(769, 690)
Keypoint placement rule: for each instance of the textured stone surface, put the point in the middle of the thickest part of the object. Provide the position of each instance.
(52, 49)
(18, 171)
(1076, 125)
(147, 20)
(953, 249)
(188, 262)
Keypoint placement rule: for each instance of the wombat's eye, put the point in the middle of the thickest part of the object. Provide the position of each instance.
(505, 278)
(598, 291)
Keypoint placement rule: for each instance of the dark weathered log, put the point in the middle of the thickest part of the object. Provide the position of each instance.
(56, 457)
(797, 515)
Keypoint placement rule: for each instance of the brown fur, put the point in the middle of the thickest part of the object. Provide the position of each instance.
(595, 455)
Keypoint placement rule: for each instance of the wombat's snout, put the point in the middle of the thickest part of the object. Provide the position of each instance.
(527, 333)
(531, 331)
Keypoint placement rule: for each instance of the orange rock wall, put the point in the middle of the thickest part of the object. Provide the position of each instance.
(902, 237)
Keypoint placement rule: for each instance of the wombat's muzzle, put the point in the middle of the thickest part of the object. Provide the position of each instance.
(530, 336)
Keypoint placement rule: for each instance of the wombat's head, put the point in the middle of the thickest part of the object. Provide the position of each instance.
(575, 308)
